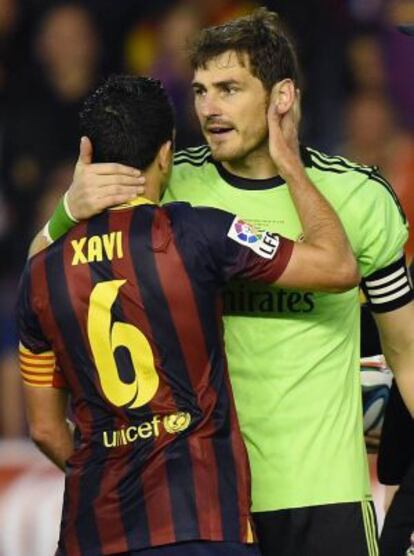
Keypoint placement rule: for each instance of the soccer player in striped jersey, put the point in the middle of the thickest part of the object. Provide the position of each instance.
(293, 355)
(124, 314)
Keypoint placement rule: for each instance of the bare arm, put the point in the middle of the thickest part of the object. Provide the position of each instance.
(396, 331)
(324, 261)
(49, 429)
(39, 243)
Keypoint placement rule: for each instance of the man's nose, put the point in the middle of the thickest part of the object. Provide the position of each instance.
(210, 106)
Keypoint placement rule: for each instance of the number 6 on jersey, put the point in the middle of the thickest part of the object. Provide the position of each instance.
(104, 340)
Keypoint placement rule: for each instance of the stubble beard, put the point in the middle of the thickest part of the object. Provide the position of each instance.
(240, 153)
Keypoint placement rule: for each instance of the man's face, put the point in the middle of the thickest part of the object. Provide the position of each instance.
(231, 105)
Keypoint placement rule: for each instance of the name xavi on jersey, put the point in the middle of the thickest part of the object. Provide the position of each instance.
(262, 243)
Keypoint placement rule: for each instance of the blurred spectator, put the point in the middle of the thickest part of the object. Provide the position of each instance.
(42, 113)
(40, 137)
(156, 47)
(374, 137)
(366, 62)
(216, 12)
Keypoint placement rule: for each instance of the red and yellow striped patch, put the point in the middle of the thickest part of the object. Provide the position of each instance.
(37, 369)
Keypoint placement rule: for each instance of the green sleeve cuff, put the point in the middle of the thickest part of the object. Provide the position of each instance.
(60, 223)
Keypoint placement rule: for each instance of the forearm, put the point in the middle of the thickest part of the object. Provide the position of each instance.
(401, 361)
(46, 409)
(321, 225)
(323, 231)
(39, 243)
(397, 341)
(56, 444)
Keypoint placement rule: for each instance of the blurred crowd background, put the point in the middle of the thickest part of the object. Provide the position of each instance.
(358, 100)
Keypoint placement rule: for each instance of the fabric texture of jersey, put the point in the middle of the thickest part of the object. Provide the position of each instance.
(129, 303)
(294, 355)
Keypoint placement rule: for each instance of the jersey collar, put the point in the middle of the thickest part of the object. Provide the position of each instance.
(133, 203)
(248, 183)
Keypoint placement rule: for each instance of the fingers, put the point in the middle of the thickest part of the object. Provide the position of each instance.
(105, 180)
(110, 168)
(296, 111)
(104, 168)
(116, 195)
(85, 150)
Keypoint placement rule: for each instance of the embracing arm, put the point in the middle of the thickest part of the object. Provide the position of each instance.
(396, 329)
(49, 429)
(324, 261)
(94, 188)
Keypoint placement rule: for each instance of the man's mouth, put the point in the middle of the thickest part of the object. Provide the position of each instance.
(219, 130)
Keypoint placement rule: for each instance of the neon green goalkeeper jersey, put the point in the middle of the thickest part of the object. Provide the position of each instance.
(294, 355)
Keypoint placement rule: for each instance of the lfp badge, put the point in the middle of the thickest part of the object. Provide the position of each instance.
(262, 243)
(245, 232)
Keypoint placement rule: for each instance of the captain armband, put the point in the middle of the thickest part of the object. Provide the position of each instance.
(37, 369)
(389, 288)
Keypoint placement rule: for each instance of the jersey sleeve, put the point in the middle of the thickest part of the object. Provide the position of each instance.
(238, 250)
(383, 233)
(37, 360)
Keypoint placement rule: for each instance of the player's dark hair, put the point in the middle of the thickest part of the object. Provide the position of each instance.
(260, 36)
(127, 119)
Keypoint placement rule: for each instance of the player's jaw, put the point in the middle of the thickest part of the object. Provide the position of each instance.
(221, 135)
(231, 142)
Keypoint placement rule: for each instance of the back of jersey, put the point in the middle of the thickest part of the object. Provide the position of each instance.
(128, 303)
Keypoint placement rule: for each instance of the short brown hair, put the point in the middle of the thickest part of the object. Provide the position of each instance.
(260, 36)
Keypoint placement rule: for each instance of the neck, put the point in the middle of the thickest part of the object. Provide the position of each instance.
(257, 165)
(152, 184)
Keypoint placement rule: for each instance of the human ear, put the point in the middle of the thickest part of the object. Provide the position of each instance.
(165, 156)
(283, 96)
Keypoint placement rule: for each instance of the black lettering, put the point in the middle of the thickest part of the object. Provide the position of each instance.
(241, 297)
(280, 300)
(268, 251)
(229, 301)
(269, 240)
(266, 304)
(293, 299)
(308, 299)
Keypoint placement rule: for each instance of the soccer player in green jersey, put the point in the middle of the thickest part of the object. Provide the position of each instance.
(293, 355)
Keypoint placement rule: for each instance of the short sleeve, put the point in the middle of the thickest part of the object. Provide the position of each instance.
(383, 225)
(384, 232)
(239, 250)
(37, 361)
(29, 329)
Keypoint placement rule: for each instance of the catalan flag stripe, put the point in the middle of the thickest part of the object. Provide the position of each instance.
(36, 369)
(38, 384)
(40, 380)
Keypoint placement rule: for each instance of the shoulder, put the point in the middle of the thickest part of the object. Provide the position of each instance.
(180, 211)
(193, 173)
(344, 169)
(350, 176)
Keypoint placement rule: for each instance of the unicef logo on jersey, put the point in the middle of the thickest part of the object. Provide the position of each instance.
(246, 233)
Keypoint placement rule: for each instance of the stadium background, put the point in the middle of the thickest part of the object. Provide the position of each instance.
(358, 85)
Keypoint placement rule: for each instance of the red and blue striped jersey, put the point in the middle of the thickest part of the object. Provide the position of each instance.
(129, 304)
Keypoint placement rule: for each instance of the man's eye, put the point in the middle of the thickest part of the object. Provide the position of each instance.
(230, 90)
(198, 92)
